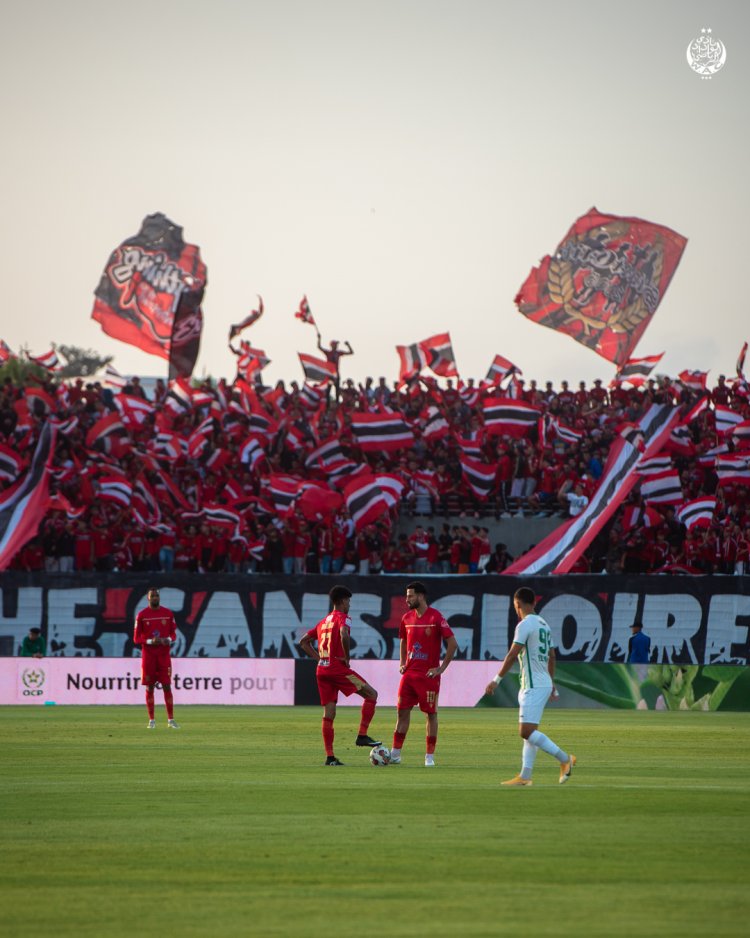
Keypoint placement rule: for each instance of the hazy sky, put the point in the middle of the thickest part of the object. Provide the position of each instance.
(404, 164)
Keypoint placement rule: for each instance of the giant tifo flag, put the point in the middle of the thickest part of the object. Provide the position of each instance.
(558, 552)
(604, 282)
(381, 432)
(23, 505)
(150, 294)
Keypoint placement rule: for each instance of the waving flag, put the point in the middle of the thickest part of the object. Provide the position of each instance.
(741, 361)
(695, 380)
(113, 378)
(644, 516)
(412, 359)
(662, 488)
(5, 352)
(48, 360)
(365, 501)
(317, 369)
(733, 470)
(434, 424)
(22, 506)
(150, 294)
(250, 361)
(500, 369)
(251, 452)
(105, 427)
(504, 416)
(304, 313)
(479, 476)
(727, 420)
(439, 355)
(655, 466)
(637, 370)
(697, 513)
(284, 490)
(251, 318)
(38, 398)
(381, 432)
(114, 489)
(604, 282)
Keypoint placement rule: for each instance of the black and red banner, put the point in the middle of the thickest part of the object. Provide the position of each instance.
(604, 282)
(150, 294)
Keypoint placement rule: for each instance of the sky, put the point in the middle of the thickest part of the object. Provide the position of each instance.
(403, 164)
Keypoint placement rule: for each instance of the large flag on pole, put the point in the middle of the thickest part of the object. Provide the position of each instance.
(22, 506)
(558, 552)
(150, 294)
(604, 282)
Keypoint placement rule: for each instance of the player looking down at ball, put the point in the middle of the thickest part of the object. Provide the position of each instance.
(333, 673)
(421, 633)
(535, 651)
(155, 630)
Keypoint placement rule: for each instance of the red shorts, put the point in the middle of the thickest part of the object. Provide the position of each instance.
(330, 683)
(416, 688)
(156, 669)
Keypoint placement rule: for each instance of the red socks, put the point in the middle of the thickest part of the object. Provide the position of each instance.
(168, 702)
(431, 740)
(328, 736)
(398, 740)
(150, 703)
(368, 711)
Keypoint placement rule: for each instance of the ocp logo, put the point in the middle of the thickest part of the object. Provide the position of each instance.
(33, 680)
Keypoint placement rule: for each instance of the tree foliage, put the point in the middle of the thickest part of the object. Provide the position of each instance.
(81, 363)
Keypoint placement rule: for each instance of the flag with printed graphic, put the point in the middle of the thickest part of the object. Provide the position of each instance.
(604, 282)
(150, 294)
(304, 313)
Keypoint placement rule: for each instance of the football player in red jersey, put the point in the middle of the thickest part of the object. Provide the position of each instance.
(422, 632)
(155, 630)
(333, 671)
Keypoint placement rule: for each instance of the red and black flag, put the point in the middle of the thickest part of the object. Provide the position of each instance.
(500, 369)
(695, 380)
(150, 294)
(252, 317)
(637, 370)
(479, 476)
(317, 369)
(365, 501)
(412, 359)
(381, 432)
(11, 464)
(662, 488)
(304, 313)
(439, 355)
(5, 352)
(697, 513)
(740, 361)
(504, 416)
(48, 360)
(23, 505)
(604, 282)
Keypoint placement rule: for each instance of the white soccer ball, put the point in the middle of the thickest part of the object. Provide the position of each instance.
(380, 755)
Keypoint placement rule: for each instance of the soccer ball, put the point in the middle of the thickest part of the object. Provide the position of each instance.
(380, 755)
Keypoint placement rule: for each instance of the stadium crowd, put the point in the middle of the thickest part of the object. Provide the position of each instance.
(242, 477)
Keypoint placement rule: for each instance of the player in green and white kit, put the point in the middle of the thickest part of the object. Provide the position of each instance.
(534, 648)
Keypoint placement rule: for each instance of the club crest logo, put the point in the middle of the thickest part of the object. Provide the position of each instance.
(706, 55)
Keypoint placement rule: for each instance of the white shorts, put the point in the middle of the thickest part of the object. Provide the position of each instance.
(531, 704)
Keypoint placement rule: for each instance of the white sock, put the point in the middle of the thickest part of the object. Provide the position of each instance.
(395, 752)
(546, 745)
(527, 762)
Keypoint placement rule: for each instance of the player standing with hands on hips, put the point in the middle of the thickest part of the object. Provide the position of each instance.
(535, 650)
(421, 635)
(155, 630)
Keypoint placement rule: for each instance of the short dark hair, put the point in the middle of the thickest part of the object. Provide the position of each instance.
(525, 595)
(637, 624)
(418, 587)
(337, 593)
(35, 628)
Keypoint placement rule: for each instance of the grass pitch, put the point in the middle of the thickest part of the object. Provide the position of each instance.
(232, 826)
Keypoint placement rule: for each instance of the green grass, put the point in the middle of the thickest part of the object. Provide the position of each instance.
(232, 826)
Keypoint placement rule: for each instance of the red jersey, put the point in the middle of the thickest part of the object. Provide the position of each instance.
(424, 638)
(154, 623)
(327, 633)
